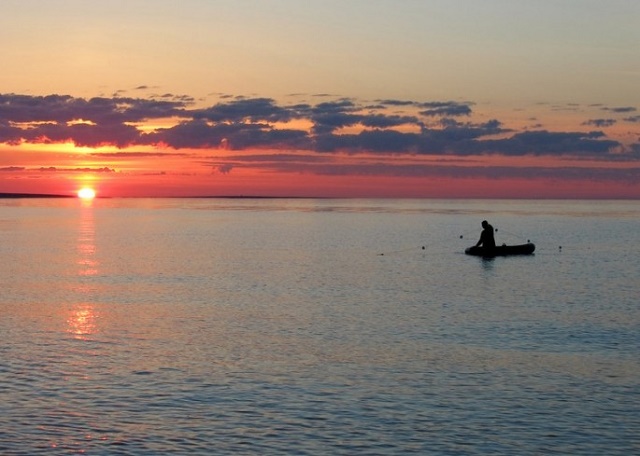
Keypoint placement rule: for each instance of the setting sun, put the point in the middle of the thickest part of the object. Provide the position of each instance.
(86, 193)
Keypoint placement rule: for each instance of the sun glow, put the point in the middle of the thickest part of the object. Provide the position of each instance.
(86, 193)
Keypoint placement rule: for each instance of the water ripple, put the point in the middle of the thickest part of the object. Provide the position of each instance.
(169, 329)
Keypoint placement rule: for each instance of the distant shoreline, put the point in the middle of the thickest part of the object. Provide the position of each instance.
(33, 195)
(49, 195)
(55, 196)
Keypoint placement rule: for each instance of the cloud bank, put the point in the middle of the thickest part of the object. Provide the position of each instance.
(165, 135)
(341, 125)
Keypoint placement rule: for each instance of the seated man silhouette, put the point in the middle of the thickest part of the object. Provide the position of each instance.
(486, 237)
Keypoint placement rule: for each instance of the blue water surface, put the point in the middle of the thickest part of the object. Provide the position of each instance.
(294, 326)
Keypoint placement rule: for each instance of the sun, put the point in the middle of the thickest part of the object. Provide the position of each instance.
(86, 193)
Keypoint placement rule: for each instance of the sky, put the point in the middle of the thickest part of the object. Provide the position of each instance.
(321, 98)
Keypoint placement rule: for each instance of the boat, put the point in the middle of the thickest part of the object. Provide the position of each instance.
(502, 250)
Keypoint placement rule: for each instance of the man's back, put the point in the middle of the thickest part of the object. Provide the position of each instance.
(488, 240)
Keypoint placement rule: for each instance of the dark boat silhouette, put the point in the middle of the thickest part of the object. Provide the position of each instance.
(502, 250)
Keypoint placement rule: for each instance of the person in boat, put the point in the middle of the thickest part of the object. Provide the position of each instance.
(486, 237)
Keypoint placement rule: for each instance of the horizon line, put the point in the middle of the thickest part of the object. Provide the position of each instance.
(21, 195)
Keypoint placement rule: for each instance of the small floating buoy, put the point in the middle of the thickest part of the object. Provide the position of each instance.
(423, 247)
(460, 236)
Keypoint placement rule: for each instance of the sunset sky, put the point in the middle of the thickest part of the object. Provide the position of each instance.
(353, 98)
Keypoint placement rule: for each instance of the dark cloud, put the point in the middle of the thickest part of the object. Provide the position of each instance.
(64, 109)
(201, 134)
(9, 134)
(344, 105)
(569, 107)
(549, 143)
(257, 123)
(457, 138)
(137, 154)
(92, 123)
(387, 141)
(224, 169)
(85, 135)
(297, 158)
(445, 108)
(54, 169)
(252, 110)
(396, 102)
(621, 109)
(600, 123)
(387, 121)
(333, 167)
(332, 115)
(632, 119)
(328, 122)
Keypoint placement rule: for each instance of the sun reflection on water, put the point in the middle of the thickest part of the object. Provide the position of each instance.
(86, 247)
(82, 321)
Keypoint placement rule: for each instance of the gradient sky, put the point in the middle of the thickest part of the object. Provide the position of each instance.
(425, 98)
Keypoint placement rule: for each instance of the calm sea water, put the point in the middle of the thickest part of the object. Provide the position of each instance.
(239, 326)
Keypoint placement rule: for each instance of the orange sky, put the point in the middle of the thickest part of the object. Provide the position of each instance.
(124, 146)
(321, 98)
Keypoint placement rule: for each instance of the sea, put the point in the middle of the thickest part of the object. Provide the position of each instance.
(240, 326)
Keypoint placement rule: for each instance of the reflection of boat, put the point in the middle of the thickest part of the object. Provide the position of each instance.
(502, 250)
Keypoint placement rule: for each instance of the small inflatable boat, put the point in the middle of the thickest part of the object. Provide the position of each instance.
(502, 250)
